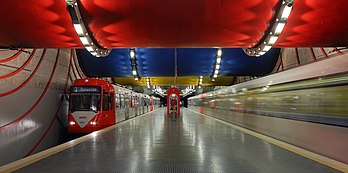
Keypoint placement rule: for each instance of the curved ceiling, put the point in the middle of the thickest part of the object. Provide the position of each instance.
(179, 23)
(158, 62)
(194, 27)
(191, 62)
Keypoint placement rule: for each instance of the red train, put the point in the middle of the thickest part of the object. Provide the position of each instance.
(95, 104)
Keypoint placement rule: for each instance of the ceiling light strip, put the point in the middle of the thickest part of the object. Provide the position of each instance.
(217, 65)
(159, 90)
(86, 37)
(188, 90)
(148, 82)
(200, 82)
(276, 27)
(133, 60)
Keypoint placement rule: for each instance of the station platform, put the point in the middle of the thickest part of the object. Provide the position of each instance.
(155, 143)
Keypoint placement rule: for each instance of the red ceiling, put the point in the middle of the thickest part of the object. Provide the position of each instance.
(179, 23)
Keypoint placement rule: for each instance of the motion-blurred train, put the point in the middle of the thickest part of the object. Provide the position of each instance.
(95, 104)
(315, 93)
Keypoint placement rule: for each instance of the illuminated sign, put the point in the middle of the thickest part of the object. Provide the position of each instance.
(85, 89)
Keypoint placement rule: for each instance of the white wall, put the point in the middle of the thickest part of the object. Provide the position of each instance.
(24, 127)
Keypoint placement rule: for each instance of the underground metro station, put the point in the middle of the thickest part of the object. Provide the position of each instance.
(174, 86)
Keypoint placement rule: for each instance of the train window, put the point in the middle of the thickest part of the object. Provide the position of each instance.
(131, 101)
(85, 102)
(118, 101)
(136, 101)
(106, 101)
(127, 100)
(111, 98)
(122, 101)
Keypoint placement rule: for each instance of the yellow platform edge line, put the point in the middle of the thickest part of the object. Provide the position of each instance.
(340, 166)
(13, 166)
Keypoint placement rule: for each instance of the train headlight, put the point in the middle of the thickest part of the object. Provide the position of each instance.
(72, 123)
(93, 123)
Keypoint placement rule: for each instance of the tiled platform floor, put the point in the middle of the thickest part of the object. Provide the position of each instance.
(192, 143)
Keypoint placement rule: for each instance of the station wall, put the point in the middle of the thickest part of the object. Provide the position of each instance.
(32, 107)
(293, 57)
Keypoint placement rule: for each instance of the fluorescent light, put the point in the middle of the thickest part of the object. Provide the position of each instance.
(136, 78)
(218, 60)
(201, 77)
(78, 29)
(217, 67)
(266, 48)
(215, 76)
(272, 40)
(216, 72)
(90, 48)
(286, 12)
(219, 52)
(279, 28)
(84, 40)
(134, 72)
(132, 53)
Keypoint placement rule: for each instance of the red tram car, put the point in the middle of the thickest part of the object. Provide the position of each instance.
(92, 105)
(95, 104)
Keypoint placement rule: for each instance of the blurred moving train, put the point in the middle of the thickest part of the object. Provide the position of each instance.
(315, 93)
(95, 104)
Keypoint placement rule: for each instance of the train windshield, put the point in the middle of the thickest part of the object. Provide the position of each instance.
(85, 99)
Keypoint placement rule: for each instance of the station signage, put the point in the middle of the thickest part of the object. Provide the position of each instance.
(85, 89)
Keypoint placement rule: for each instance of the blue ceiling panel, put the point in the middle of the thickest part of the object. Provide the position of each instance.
(117, 63)
(235, 62)
(191, 62)
(155, 62)
(196, 61)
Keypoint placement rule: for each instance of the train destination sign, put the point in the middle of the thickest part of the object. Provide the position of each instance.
(85, 89)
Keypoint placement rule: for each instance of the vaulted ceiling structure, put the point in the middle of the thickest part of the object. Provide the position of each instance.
(172, 38)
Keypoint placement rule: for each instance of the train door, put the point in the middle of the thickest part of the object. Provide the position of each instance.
(146, 102)
(108, 110)
(141, 105)
(120, 113)
(126, 107)
(136, 105)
